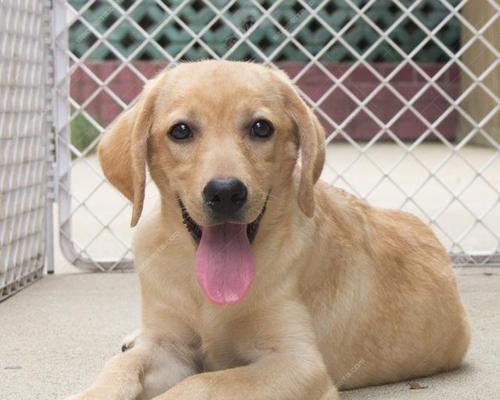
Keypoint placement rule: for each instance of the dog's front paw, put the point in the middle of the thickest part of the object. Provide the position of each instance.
(129, 340)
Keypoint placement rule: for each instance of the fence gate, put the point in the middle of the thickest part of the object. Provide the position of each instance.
(408, 92)
(25, 144)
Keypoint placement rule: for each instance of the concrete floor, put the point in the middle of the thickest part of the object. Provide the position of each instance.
(56, 334)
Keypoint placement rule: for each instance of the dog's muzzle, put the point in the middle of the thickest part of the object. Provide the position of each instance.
(196, 231)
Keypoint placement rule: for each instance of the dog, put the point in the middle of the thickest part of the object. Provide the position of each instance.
(258, 280)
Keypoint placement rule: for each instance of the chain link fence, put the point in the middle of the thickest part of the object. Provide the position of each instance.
(408, 93)
(25, 145)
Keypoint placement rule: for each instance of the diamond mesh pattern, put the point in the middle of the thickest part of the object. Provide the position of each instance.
(364, 67)
(24, 142)
(148, 14)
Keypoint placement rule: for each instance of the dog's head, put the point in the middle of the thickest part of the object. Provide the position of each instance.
(219, 137)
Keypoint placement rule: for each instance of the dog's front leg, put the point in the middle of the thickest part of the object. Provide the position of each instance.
(283, 361)
(147, 366)
(277, 377)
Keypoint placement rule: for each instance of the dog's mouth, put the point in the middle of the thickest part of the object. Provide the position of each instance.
(225, 263)
(196, 231)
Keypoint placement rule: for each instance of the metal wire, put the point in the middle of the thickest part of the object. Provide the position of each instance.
(24, 143)
(94, 213)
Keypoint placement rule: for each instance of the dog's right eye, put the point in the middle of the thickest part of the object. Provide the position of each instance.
(180, 132)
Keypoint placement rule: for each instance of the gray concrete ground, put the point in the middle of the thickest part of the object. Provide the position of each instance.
(56, 334)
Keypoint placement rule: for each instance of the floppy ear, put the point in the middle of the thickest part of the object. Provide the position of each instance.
(311, 136)
(122, 150)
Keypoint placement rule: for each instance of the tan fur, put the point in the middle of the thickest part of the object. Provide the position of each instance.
(346, 295)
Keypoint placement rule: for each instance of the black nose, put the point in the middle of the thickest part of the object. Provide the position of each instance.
(225, 197)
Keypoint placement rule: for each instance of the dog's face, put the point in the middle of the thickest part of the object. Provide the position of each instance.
(219, 138)
(222, 138)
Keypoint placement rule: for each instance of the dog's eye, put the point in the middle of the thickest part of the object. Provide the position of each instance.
(261, 129)
(180, 132)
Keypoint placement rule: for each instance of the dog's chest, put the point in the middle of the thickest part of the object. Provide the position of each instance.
(228, 342)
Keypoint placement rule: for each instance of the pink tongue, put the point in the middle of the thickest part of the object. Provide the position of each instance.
(225, 265)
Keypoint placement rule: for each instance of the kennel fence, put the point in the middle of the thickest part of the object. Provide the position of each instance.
(412, 76)
(25, 144)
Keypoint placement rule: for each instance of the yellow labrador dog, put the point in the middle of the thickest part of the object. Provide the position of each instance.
(259, 282)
